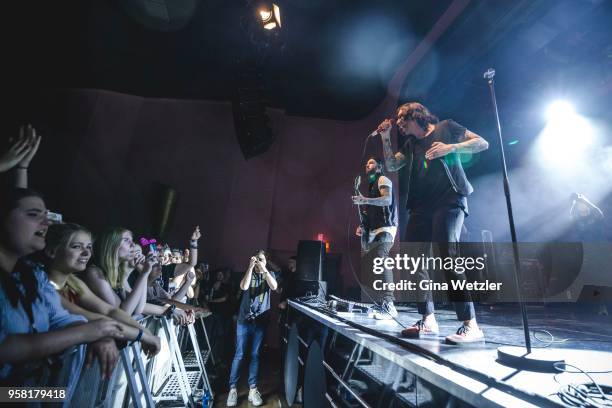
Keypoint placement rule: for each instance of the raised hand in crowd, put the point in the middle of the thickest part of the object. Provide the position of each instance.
(29, 133)
(196, 235)
(190, 276)
(21, 150)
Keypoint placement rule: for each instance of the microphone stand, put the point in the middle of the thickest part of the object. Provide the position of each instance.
(519, 357)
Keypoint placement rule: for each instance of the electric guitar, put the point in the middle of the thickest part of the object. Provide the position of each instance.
(365, 232)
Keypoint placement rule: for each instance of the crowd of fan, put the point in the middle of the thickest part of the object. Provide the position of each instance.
(60, 288)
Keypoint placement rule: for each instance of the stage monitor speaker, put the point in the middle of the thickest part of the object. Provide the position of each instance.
(311, 288)
(310, 260)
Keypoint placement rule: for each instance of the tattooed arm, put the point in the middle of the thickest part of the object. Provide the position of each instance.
(393, 161)
(383, 201)
(473, 143)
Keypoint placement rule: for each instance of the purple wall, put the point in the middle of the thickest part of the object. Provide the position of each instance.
(108, 149)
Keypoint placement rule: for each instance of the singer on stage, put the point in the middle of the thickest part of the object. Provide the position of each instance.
(437, 201)
(379, 216)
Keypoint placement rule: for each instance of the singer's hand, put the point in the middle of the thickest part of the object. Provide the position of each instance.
(359, 231)
(438, 149)
(384, 129)
(359, 199)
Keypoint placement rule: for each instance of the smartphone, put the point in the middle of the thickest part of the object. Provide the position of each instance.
(54, 218)
(152, 243)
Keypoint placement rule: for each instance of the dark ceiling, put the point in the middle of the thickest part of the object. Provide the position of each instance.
(333, 58)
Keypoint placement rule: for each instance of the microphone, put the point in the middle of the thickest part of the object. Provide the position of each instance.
(489, 75)
(376, 132)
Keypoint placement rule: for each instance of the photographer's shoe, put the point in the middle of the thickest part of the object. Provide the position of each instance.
(255, 397)
(232, 398)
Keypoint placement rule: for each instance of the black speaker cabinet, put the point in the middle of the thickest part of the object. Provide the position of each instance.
(310, 260)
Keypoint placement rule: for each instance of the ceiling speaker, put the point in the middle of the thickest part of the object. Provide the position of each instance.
(160, 15)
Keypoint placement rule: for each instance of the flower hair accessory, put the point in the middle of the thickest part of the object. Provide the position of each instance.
(151, 243)
(145, 242)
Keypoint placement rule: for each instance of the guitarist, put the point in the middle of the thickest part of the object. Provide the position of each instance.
(378, 214)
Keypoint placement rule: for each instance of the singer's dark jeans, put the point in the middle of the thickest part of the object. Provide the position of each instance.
(379, 248)
(439, 228)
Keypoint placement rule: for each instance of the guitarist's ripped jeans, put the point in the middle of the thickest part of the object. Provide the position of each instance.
(379, 248)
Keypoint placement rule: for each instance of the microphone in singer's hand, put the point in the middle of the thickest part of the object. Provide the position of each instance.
(377, 131)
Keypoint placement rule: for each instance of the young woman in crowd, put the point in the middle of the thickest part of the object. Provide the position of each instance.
(156, 295)
(114, 259)
(33, 324)
(183, 276)
(69, 249)
(202, 281)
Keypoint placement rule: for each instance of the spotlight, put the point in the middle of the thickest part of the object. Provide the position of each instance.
(270, 18)
(557, 141)
(560, 110)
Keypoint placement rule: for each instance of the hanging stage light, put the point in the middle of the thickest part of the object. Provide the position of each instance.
(270, 17)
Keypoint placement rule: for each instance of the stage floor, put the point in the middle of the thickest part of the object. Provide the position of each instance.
(581, 339)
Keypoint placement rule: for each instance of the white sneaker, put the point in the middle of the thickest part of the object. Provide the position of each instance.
(603, 310)
(422, 329)
(255, 397)
(232, 398)
(386, 311)
(466, 335)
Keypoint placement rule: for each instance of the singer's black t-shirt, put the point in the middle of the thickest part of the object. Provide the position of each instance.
(430, 186)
